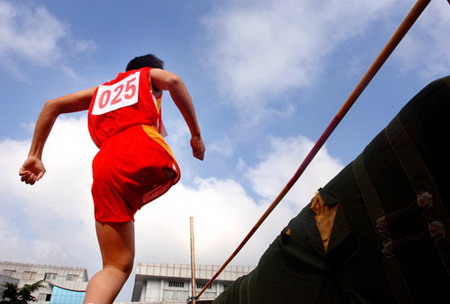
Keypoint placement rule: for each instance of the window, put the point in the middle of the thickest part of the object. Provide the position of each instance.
(201, 285)
(29, 275)
(9, 273)
(44, 297)
(50, 276)
(71, 277)
(61, 295)
(176, 284)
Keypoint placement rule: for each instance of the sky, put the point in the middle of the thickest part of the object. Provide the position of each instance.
(266, 77)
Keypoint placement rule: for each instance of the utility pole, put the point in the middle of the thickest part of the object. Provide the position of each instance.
(194, 286)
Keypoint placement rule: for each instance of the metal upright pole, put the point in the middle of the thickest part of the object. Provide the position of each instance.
(194, 288)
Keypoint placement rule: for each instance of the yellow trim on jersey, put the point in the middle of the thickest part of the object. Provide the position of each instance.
(154, 134)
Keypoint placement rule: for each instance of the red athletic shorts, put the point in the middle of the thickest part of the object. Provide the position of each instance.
(131, 169)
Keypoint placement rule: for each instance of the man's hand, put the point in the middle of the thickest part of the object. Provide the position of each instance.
(32, 170)
(198, 147)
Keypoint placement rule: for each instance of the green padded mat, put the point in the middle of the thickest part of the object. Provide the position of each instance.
(390, 239)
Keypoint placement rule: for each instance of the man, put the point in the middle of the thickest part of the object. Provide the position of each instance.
(134, 164)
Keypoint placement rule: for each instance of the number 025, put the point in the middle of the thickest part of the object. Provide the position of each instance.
(119, 93)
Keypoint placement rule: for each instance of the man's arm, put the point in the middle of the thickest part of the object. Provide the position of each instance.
(167, 81)
(33, 169)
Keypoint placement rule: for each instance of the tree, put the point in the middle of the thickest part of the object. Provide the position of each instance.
(15, 295)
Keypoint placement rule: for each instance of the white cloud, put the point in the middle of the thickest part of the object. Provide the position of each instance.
(425, 48)
(222, 210)
(261, 49)
(282, 160)
(49, 222)
(35, 35)
(52, 221)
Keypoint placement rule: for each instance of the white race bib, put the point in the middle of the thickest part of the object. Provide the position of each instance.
(121, 94)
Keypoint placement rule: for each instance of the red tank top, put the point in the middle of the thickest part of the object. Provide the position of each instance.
(123, 102)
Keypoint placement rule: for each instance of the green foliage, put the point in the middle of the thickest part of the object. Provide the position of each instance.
(15, 295)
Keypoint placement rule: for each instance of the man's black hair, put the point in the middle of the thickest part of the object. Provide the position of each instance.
(149, 60)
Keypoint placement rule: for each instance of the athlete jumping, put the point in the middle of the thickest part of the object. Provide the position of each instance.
(134, 164)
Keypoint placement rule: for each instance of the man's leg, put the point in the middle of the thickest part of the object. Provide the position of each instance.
(116, 242)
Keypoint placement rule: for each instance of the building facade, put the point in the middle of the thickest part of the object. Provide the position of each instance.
(66, 282)
(171, 283)
(153, 284)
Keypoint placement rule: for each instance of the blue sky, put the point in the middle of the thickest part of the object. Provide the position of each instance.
(266, 77)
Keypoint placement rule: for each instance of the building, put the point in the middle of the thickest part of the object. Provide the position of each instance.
(171, 283)
(59, 282)
(154, 283)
